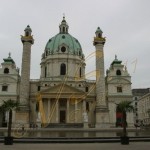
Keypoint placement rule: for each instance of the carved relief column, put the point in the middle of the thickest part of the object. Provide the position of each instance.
(102, 113)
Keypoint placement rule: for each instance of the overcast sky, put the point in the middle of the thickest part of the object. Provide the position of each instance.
(125, 24)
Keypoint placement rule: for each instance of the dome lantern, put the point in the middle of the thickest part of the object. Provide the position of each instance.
(63, 27)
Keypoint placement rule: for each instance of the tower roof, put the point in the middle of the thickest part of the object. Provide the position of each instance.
(9, 60)
(116, 61)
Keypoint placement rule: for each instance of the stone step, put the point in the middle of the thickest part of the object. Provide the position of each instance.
(64, 125)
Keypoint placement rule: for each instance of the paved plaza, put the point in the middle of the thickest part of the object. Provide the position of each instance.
(93, 146)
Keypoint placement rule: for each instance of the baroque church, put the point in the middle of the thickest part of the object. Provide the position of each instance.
(63, 97)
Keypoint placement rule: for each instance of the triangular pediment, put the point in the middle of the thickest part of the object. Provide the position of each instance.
(62, 88)
(118, 81)
(7, 79)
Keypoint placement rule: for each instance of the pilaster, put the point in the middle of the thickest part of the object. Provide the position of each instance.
(57, 111)
(76, 110)
(68, 110)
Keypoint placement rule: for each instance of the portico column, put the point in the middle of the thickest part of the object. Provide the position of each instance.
(48, 110)
(67, 110)
(85, 116)
(57, 110)
(76, 107)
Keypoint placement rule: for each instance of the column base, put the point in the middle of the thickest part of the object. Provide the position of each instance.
(102, 125)
(102, 118)
(22, 115)
(85, 125)
(38, 124)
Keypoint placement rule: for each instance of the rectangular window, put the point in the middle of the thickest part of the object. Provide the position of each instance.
(86, 89)
(39, 88)
(5, 88)
(119, 89)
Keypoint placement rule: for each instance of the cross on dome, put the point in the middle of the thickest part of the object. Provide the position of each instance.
(9, 54)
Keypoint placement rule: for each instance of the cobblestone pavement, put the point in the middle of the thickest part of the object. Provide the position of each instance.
(93, 146)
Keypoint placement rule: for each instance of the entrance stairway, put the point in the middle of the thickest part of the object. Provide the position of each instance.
(65, 125)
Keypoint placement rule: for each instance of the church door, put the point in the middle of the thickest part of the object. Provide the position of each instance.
(62, 116)
(62, 110)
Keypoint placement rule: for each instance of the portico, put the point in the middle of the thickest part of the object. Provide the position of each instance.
(67, 106)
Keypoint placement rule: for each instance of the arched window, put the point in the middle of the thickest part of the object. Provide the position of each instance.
(118, 72)
(86, 89)
(62, 69)
(87, 106)
(63, 29)
(39, 88)
(80, 73)
(79, 53)
(45, 71)
(6, 70)
(119, 117)
(46, 52)
(63, 49)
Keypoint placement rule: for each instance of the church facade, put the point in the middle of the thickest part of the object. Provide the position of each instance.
(63, 97)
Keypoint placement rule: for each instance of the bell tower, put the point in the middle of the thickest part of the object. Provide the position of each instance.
(102, 116)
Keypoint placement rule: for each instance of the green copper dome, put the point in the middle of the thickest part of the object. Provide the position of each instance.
(63, 42)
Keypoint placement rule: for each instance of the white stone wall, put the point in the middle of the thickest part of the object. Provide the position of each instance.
(126, 89)
(12, 88)
(130, 119)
